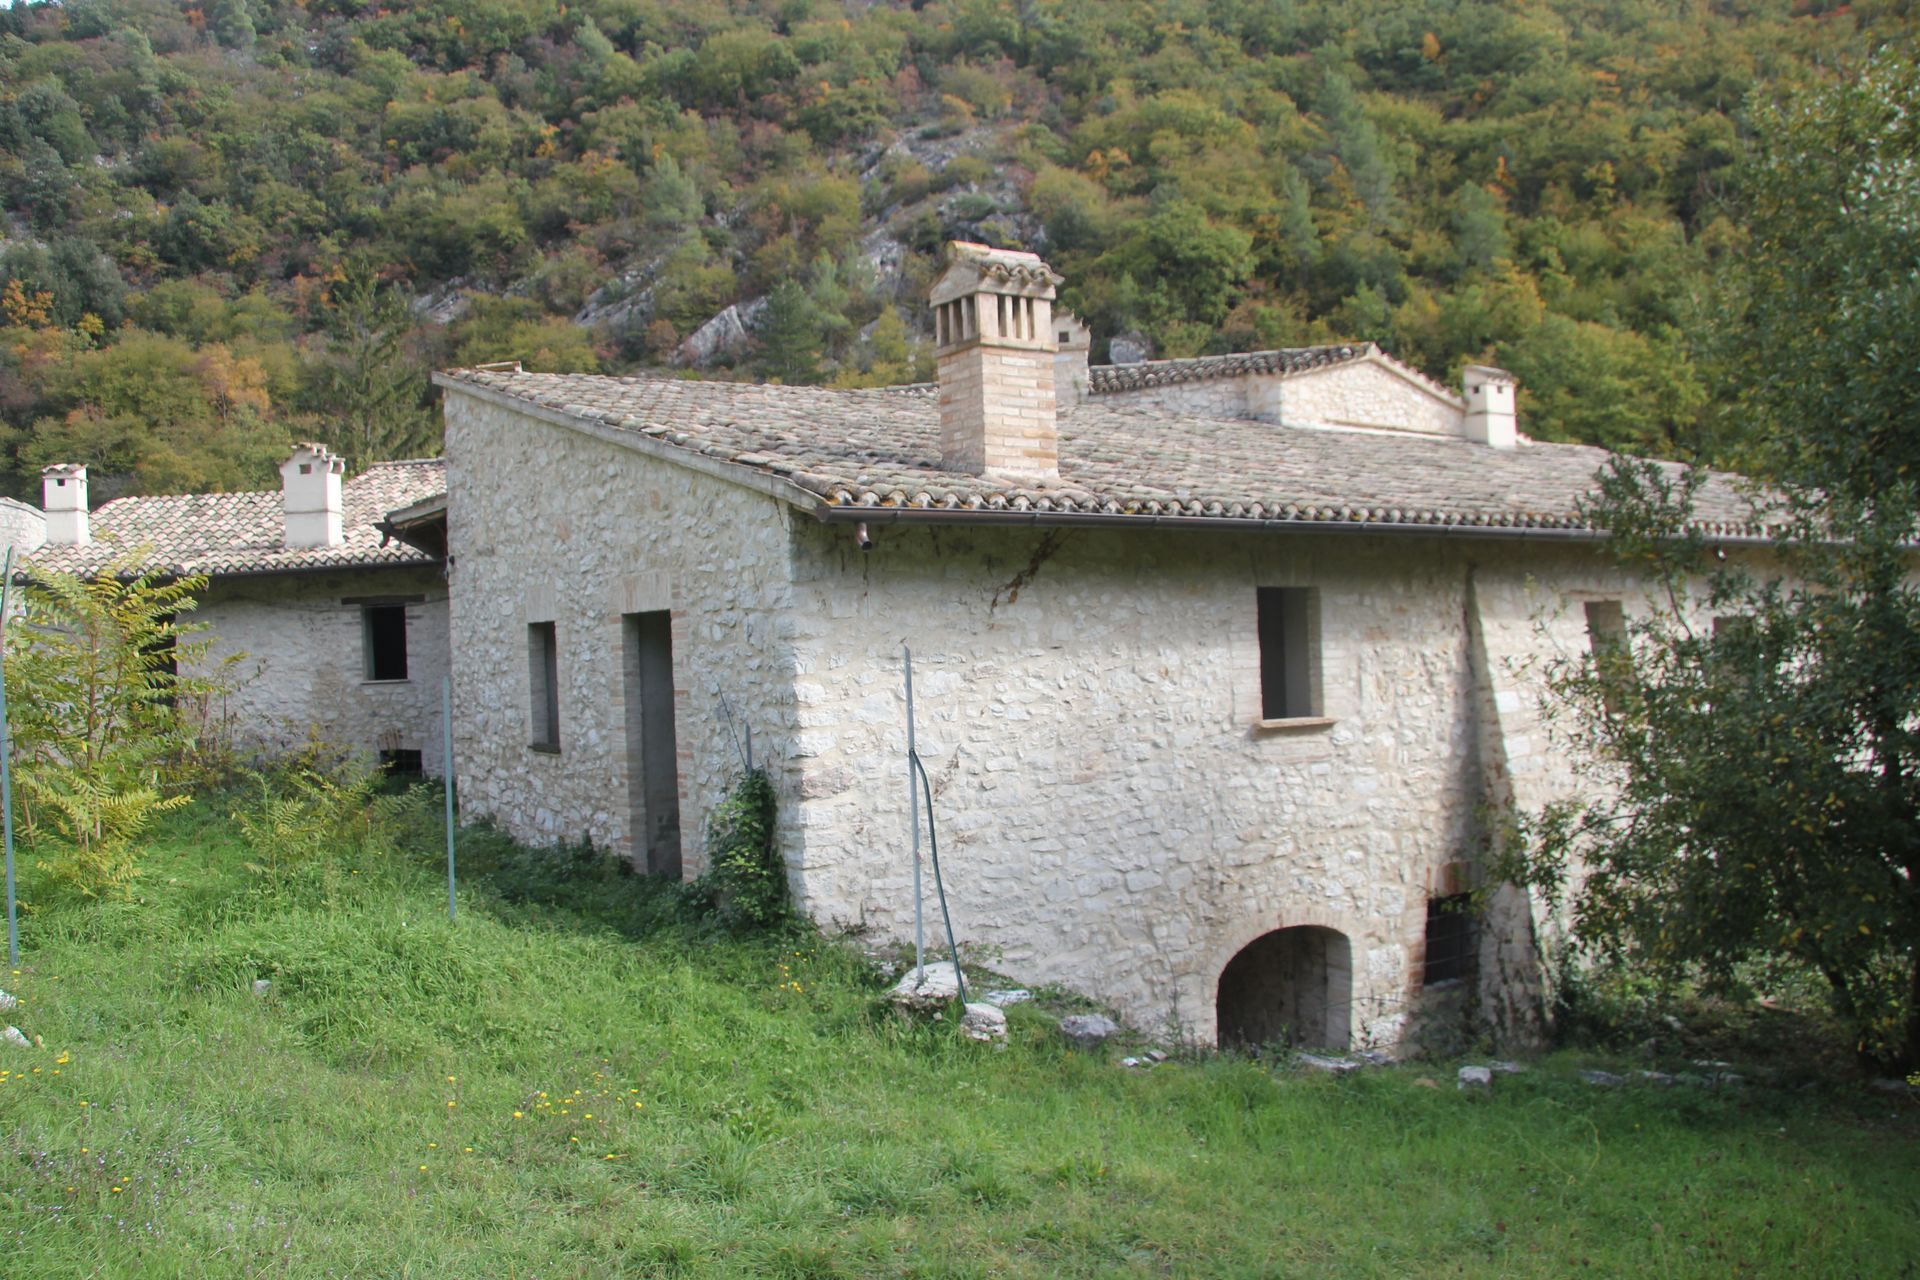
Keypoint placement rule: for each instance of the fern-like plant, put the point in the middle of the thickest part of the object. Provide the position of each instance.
(99, 740)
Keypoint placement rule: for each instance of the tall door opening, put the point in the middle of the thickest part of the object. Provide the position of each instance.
(653, 766)
(1292, 986)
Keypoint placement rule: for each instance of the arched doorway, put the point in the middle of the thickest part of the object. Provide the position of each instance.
(1293, 985)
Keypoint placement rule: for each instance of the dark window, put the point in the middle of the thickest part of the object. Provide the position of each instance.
(401, 762)
(543, 670)
(1287, 684)
(1450, 937)
(386, 636)
(1606, 625)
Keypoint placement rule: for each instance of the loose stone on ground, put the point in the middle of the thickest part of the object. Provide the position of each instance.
(1088, 1031)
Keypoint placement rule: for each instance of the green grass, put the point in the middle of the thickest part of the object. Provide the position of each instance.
(585, 1086)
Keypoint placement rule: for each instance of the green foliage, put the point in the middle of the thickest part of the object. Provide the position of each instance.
(104, 736)
(1765, 768)
(746, 878)
(1542, 186)
(316, 808)
(365, 383)
(761, 1121)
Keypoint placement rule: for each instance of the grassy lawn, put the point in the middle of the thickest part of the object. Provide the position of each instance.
(575, 1083)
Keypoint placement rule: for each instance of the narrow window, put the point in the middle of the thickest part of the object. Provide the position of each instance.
(1288, 687)
(1450, 938)
(1607, 640)
(543, 669)
(384, 628)
(1606, 625)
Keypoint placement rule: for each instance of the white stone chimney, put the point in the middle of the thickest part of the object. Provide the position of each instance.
(1070, 360)
(995, 344)
(63, 488)
(1491, 418)
(310, 493)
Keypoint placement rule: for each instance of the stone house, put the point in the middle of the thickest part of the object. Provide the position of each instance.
(22, 528)
(1218, 663)
(322, 626)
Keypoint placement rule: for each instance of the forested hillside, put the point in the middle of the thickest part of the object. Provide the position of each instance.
(232, 223)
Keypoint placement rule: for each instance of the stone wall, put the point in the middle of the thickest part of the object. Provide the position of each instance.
(21, 527)
(552, 525)
(292, 649)
(1364, 393)
(1110, 815)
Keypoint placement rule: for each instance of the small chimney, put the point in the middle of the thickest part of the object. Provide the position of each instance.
(1490, 407)
(63, 487)
(994, 341)
(310, 493)
(1070, 361)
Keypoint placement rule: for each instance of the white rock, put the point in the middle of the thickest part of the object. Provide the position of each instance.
(8, 1000)
(1334, 1066)
(15, 1036)
(1604, 1079)
(984, 1022)
(1506, 1068)
(933, 987)
(1476, 1078)
(261, 986)
(1008, 995)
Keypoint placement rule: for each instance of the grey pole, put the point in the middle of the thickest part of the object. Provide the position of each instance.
(913, 812)
(446, 768)
(6, 767)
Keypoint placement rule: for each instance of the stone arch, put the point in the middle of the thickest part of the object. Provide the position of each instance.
(1250, 930)
(1293, 984)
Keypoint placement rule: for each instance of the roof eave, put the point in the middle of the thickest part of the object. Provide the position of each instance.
(839, 513)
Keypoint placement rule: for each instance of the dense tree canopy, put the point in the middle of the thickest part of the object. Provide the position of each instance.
(1761, 738)
(586, 184)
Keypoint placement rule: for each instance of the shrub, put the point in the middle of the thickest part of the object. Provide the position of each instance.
(315, 807)
(746, 881)
(101, 744)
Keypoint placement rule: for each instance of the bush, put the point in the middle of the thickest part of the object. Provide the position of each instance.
(101, 744)
(313, 808)
(746, 881)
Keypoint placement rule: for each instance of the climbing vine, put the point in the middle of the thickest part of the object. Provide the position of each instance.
(746, 882)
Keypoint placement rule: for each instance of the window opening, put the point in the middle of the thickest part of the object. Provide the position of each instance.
(543, 669)
(385, 630)
(1287, 683)
(1450, 938)
(401, 762)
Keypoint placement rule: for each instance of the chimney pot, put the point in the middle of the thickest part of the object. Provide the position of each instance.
(310, 496)
(63, 488)
(1491, 414)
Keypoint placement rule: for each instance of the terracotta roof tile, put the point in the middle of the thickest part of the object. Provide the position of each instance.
(231, 534)
(880, 450)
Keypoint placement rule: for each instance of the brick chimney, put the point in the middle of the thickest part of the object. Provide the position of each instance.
(63, 488)
(1490, 407)
(994, 340)
(310, 494)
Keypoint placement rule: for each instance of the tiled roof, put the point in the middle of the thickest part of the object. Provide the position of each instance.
(845, 452)
(1166, 373)
(231, 534)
